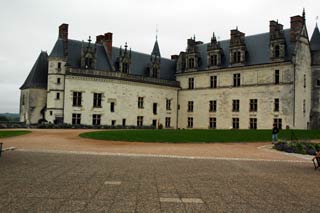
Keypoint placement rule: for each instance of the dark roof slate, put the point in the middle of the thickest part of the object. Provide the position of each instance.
(38, 76)
(257, 50)
(139, 61)
(315, 39)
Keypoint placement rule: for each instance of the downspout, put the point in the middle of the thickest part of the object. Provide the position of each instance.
(178, 108)
(294, 91)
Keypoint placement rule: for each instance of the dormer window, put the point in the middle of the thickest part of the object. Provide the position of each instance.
(277, 51)
(125, 68)
(191, 63)
(88, 61)
(213, 60)
(88, 53)
(237, 57)
(155, 72)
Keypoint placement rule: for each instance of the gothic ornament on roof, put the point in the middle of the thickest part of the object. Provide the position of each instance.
(88, 55)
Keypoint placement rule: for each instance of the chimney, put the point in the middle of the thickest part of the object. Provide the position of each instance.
(297, 23)
(63, 34)
(174, 57)
(63, 31)
(99, 39)
(107, 41)
(276, 29)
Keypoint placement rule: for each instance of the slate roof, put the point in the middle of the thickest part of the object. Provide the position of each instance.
(139, 61)
(38, 76)
(315, 39)
(257, 49)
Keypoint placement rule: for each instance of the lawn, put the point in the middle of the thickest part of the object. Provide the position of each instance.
(200, 136)
(5, 134)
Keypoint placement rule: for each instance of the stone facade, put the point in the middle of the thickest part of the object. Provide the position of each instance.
(221, 85)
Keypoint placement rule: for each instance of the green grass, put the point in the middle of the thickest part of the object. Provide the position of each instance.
(199, 136)
(6, 134)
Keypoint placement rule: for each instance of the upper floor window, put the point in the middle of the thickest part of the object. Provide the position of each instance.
(236, 57)
(304, 106)
(191, 63)
(191, 83)
(235, 105)
(276, 105)
(253, 105)
(58, 95)
(97, 97)
(277, 51)
(140, 102)
(190, 106)
(236, 80)
(155, 108)
(58, 80)
(213, 81)
(213, 106)
(77, 98)
(276, 76)
(59, 66)
(168, 104)
(112, 107)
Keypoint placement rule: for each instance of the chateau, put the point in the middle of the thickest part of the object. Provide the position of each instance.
(246, 82)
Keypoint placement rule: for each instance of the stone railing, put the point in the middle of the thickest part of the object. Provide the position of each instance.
(122, 76)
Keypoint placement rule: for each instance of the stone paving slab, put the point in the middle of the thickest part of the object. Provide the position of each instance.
(49, 182)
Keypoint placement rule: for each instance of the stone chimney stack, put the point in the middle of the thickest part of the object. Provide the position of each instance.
(297, 23)
(63, 34)
(108, 42)
(276, 30)
(237, 38)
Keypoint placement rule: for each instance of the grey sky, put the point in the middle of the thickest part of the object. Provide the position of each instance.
(27, 27)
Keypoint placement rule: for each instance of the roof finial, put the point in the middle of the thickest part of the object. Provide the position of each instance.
(194, 36)
(157, 30)
(317, 21)
(89, 40)
(236, 27)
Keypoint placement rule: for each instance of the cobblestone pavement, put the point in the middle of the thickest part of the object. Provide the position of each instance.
(52, 182)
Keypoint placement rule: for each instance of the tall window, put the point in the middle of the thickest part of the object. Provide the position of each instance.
(276, 76)
(168, 104)
(213, 60)
(140, 121)
(235, 105)
(168, 122)
(96, 119)
(278, 122)
(235, 123)
(97, 99)
(190, 106)
(213, 106)
(253, 123)
(58, 80)
(77, 98)
(212, 123)
(213, 81)
(58, 95)
(236, 80)
(140, 102)
(155, 108)
(112, 107)
(190, 122)
(191, 63)
(277, 51)
(237, 57)
(76, 118)
(59, 66)
(123, 122)
(276, 105)
(253, 105)
(191, 83)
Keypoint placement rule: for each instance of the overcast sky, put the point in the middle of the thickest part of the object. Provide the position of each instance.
(27, 27)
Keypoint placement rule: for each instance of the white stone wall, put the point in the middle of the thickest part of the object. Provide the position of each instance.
(303, 84)
(34, 102)
(256, 83)
(125, 95)
(55, 106)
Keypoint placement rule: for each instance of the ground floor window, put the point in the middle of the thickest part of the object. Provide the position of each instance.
(168, 122)
(235, 123)
(123, 122)
(140, 121)
(278, 122)
(76, 118)
(190, 122)
(96, 119)
(212, 123)
(113, 122)
(253, 123)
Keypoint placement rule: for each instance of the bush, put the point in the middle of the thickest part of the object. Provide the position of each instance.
(297, 147)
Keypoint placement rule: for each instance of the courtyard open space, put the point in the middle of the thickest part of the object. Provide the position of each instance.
(57, 171)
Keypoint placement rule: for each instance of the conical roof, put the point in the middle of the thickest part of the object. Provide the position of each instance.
(315, 39)
(156, 49)
(38, 76)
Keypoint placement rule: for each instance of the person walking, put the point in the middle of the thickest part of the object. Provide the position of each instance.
(275, 132)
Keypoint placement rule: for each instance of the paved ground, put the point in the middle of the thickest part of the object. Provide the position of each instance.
(56, 171)
(48, 182)
(68, 140)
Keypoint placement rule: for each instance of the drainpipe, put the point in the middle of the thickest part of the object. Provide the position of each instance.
(294, 91)
(177, 114)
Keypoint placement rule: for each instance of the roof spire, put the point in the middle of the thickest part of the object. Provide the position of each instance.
(304, 15)
(157, 30)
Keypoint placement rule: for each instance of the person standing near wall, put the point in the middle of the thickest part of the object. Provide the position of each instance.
(275, 132)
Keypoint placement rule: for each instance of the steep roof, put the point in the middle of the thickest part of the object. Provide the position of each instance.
(156, 49)
(139, 61)
(258, 51)
(38, 76)
(315, 39)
